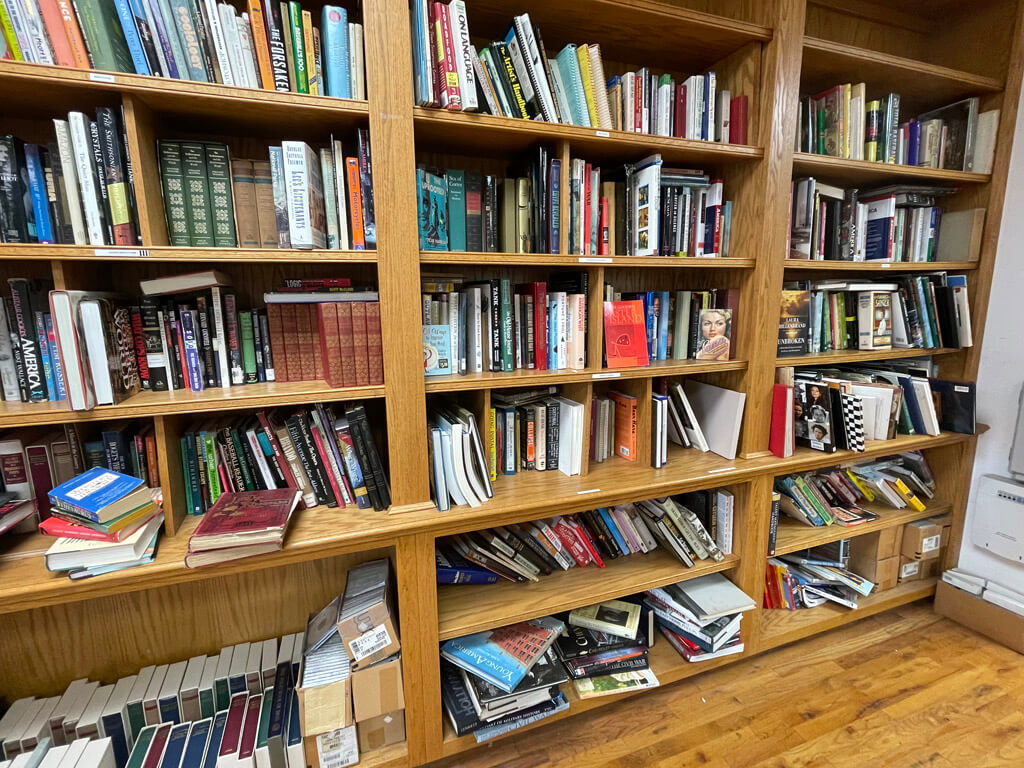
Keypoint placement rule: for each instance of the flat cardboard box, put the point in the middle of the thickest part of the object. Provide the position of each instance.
(983, 617)
(378, 690)
(366, 624)
(381, 731)
(910, 569)
(921, 540)
(324, 708)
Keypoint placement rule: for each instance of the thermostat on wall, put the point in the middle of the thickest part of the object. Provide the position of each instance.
(999, 517)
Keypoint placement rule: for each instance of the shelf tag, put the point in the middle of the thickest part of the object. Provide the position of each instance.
(124, 252)
(589, 490)
(101, 77)
(595, 260)
(603, 134)
(885, 266)
(723, 469)
(607, 375)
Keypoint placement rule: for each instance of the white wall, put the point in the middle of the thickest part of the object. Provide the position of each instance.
(1002, 364)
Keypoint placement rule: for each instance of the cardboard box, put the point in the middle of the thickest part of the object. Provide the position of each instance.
(910, 569)
(921, 539)
(336, 748)
(886, 574)
(945, 522)
(378, 690)
(378, 732)
(932, 567)
(867, 551)
(365, 623)
(983, 617)
(324, 708)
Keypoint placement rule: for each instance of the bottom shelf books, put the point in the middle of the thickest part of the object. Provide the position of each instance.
(500, 680)
(813, 577)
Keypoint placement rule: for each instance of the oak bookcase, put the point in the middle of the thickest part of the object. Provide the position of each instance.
(931, 52)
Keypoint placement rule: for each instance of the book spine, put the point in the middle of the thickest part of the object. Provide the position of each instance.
(248, 347)
(28, 344)
(276, 31)
(355, 204)
(132, 37)
(116, 178)
(447, 75)
(298, 47)
(172, 179)
(45, 356)
(187, 319)
(234, 341)
(334, 34)
(81, 144)
(197, 195)
(218, 171)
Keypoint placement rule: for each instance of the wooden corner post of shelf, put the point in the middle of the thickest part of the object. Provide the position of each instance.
(389, 91)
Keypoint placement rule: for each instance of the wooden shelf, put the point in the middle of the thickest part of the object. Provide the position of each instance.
(779, 627)
(558, 260)
(534, 378)
(794, 536)
(170, 253)
(464, 609)
(921, 86)
(391, 756)
(269, 395)
(838, 356)
(873, 267)
(472, 133)
(866, 172)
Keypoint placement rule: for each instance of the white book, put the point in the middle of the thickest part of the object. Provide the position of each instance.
(221, 677)
(54, 756)
(268, 663)
(97, 754)
(923, 391)
(67, 700)
(18, 726)
(726, 513)
(220, 47)
(69, 554)
(535, 67)
(463, 55)
(570, 436)
(646, 190)
(89, 725)
(723, 102)
(113, 721)
(712, 596)
(1003, 600)
(328, 174)
(561, 92)
(239, 659)
(284, 648)
(985, 141)
(189, 690)
(94, 330)
(11, 721)
(8, 373)
(81, 145)
(459, 464)
(43, 54)
(719, 412)
(297, 648)
(356, 66)
(261, 460)
(151, 700)
(963, 316)
(39, 727)
(244, 31)
(71, 184)
(709, 97)
(253, 666)
(232, 45)
(75, 709)
(691, 426)
(73, 753)
(207, 686)
(305, 196)
(170, 691)
(628, 102)
(448, 464)
(22, 32)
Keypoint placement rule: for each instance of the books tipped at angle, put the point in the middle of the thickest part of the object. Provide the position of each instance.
(612, 617)
(813, 577)
(618, 682)
(242, 524)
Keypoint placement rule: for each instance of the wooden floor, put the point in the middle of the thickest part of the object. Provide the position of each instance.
(906, 689)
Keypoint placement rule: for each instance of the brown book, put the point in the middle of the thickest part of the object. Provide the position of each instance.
(278, 348)
(346, 344)
(374, 343)
(307, 363)
(243, 191)
(265, 214)
(330, 343)
(360, 354)
(292, 341)
(318, 359)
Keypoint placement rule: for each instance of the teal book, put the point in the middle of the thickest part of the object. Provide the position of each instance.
(569, 67)
(432, 211)
(437, 350)
(456, 181)
(486, 655)
(505, 317)
(248, 348)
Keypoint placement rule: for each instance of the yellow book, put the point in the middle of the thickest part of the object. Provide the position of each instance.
(307, 43)
(908, 495)
(846, 120)
(583, 56)
(867, 492)
(7, 28)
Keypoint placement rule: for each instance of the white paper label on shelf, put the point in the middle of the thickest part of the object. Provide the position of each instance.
(595, 260)
(723, 469)
(127, 252)
(608, 375)
(930, 544)
(589, 490)
(603, 134)
(101, 77)
(337, 749)
(369, 643)
(885, 266)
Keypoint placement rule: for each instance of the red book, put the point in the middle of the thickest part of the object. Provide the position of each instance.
(603, 246)
(738, 120)
(679, 120)
(625, 334)
(156, 747)
(56, 31)
(232, 727)
(346, 344)
(330, 347)
(570, 542)
(247, 744)
(317, 283)
(290, 331)
(244, 518)
(588, 543)
(79, 54)
(432, 23)
(279, 457)
(54, 526)
(323, 449)
(40, 474)
(307, 363)
(140, 346)
(639, 84)
(275, 324)
(374, 343)
(626, 416)
(781, 438)
(180, 341)
(447, 75)
(540, 326)
(360, 353)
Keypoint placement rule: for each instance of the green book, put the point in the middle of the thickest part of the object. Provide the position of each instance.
(142, 742)
(207, 706)
(264, 726)
(101, 29)
(221, 694)
(247, 479)
(172, 179)
(505, 318)
(210, 457)
(218, 172)
(298, 46)
(186, 464)
(197, 195)
(248, 348)
(456, 209)
(805, 488)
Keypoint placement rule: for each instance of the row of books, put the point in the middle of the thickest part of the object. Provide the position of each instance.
(84, 752)
(299, 198)
(75, 189)
(811, 578)
(271, 45)
(893, 223)
(327, 453)
(646, 326)
(460, 210)
(513, 77)
(535, 430)
(929, 311)
(843, 407)
(841, 122)
(836, 496)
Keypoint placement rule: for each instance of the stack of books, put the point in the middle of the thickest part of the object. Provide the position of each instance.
(75, 189)
(496, 681)
(330, 459)
(701, 618)
(88, 753)
(668, 325)
(105, 521)
(297, 198)
(513, 77)
(813, 577)
(274, 46)
(460, 472)
(842, 122)
(242, 524)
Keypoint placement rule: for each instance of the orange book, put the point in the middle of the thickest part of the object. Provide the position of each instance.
(355, 203)
(73, 35)
(151, 462)
(55, 30)
(626, 415)
(260, 44)
(625, 334)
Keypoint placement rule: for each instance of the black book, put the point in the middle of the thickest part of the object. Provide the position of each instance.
(474, 211)
(152, 335)
(318, 460)
(24, 297)
(598, 524)
(456, 700)
(129, 175)
(122, 224)
(580, 669)
(527, 431)
(173, 349)
(231, 454)
(361, 429)
(509, 80)
(275, 41)
(203, 32)
(696, 502)
(519, 549)
(60, 224)
(13, 192)
(268, 453)
(190, 466)
(539, 553)
(945, 310)
(316, 482)
(546, 674)
(955, 405)
(101, 181)
(773, 525)
(366, 182)
(257, 343)
(490, 213)
(251, 474)
(268, 353)
(578, 642)
(495, 324)
(19, 361)
(204, 481)
(206, 343)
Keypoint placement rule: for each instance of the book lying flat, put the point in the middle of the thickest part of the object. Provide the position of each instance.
(245, 519)
(483, 654)
(67, 554)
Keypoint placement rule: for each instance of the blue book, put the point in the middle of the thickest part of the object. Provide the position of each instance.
(432, 211)
(184, 38)
(663, 322)
(196, 380)
(277, 728)
(553, 336)
(913, 408)
(175, 746)
(914, 142)
(46, 355)
(924, 300)
(483, 654)
(652, 324)
(437, 350)
(92, 493)
(555, 214)
(195, 747)
(114, 728)
(58, 369)
(37, 191)
(216, 734)
(453, 569)
(294, 724)
(421, 54)
(609, 521)
(162, 40)
(115, 447)
(569, 67)
(456, 183)
(707, 130)
(131, 36)
(334, 44)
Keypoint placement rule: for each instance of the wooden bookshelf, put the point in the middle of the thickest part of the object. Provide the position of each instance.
(773, 52)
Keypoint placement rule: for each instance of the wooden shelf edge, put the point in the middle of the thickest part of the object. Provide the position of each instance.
(829, 265)
(556, 259)
(857, 356)
(48, 252)
(805, 162)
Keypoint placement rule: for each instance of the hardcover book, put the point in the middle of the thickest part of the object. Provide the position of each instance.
(244, 519)
(100, 494)
(794, 322)
(614, 617)
(625, 334)
(432, 211)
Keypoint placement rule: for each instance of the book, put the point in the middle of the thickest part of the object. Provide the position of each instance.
(100, 494)
(244, 519)
(614, 617)
(490, 655)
